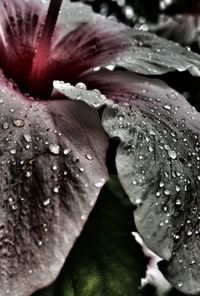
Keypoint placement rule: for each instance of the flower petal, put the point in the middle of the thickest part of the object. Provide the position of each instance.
(183, 29)
(96, 42)
(100, 41)
(52, 169)
(152, 55)
(158, 164)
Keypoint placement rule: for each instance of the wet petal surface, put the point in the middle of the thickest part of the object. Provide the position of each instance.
(152, 55)
(95, 43)
(183, 29)
(52, 169)
(158, 164)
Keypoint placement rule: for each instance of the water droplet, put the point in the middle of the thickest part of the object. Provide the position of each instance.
(56, 189)
(138, 201)
(89, 156)
(28, 174)
(18, 122)
(54, 168)
(13, 151)
(81, 85)
(150, 148)
(167, 107)
(161, 184)
(99, 184)
(47, 202)
(121, 117)
(180, 284)
(27, 138)
(172, 96)
(178, 202)
(66, 151)
(5, 125)
(152, 132)
(54, 148)
(172, 154)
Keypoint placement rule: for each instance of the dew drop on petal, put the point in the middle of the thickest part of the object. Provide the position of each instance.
(54, 148)
(66, 151)
(178, 202)
(167, 107)
(152, 132)
(150, 148)
(81, 85)
(54, 168)
(172, 154)
(172, 96)
(13, 151)
(28, 174)
(180, 284)
(99, 184)
(161, 184)
(89, 156)
(5, 125)
(39, 243)
(56, 189)
(18, 122)
(47, 202)
(27, 138)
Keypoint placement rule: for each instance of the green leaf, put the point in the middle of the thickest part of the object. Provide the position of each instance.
(106, 260)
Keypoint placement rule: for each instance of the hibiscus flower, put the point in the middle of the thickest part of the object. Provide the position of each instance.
(53, 149)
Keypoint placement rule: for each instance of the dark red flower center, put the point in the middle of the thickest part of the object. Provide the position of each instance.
(37, 79)
(25, 47)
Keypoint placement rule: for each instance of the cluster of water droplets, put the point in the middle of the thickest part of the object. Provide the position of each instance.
(159, 165)
(93, 98)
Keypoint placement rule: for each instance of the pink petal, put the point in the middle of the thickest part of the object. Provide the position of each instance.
(121, 86)
(53, 167)
(95, 43)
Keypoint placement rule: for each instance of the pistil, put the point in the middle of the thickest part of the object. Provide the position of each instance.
(37, 75)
